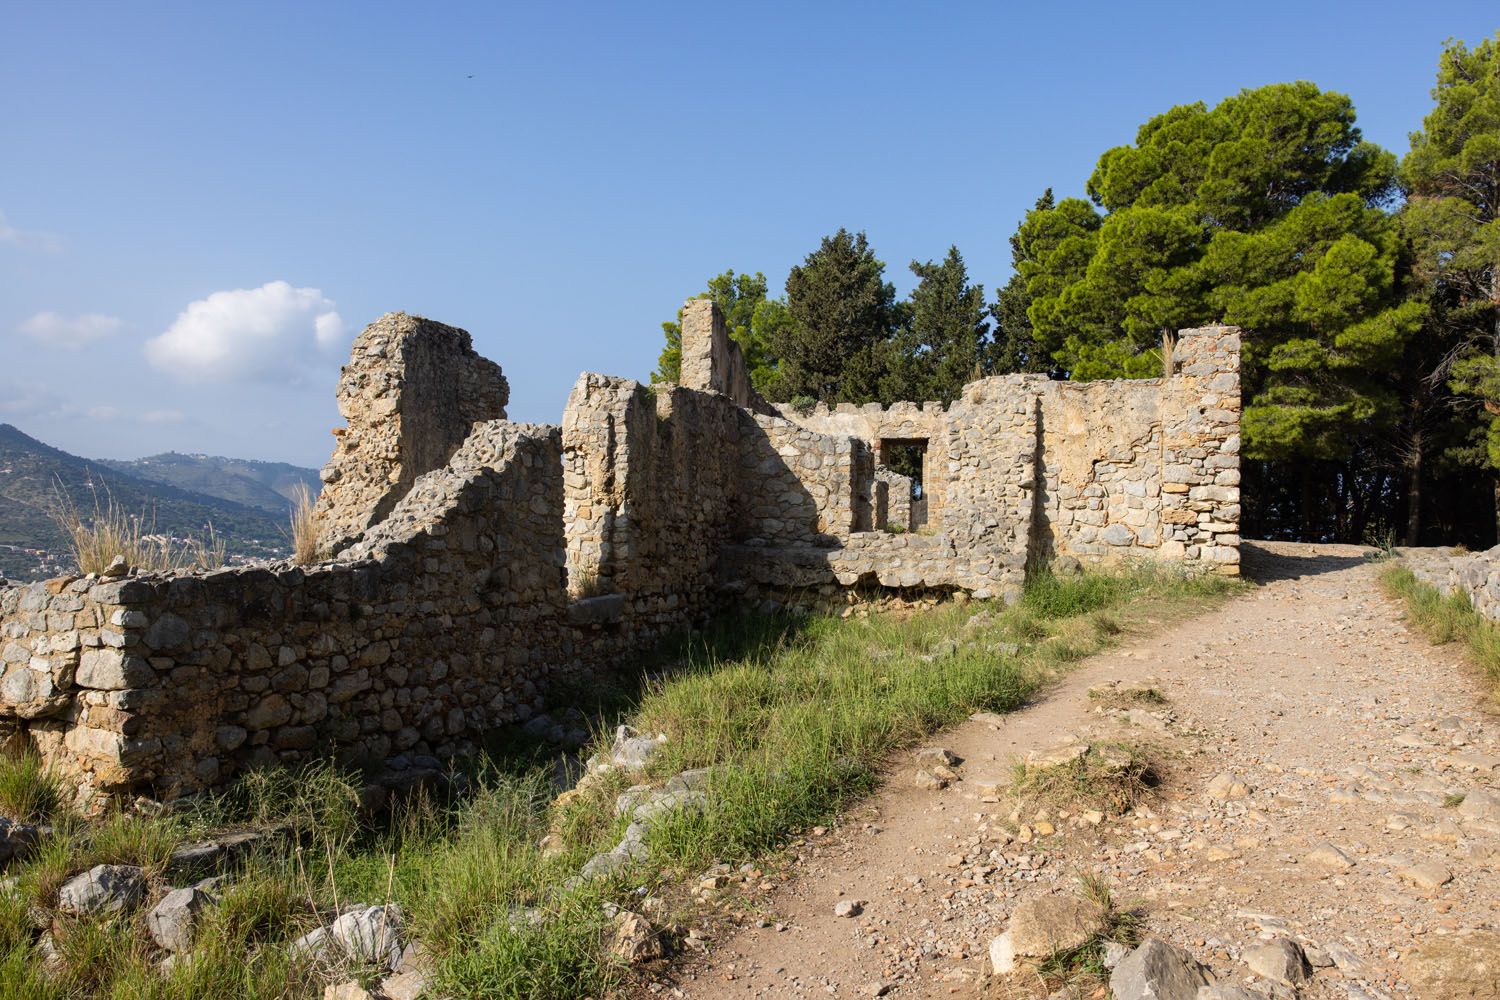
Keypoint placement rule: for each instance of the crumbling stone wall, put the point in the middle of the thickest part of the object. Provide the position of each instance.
(711, 360)
(1098, 470)
(893, 494)
(649, 496)
(447, 609)
(1148, 467)
(411, 392)
(449, 619)
(799, 486)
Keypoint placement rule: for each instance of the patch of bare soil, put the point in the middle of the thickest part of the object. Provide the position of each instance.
(1326, 776)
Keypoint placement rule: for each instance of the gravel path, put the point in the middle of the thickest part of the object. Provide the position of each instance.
(1366, 820)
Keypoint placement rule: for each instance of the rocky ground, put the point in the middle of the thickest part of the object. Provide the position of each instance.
(1328, 822)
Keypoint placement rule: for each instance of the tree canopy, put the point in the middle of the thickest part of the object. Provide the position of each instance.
(1368, 292)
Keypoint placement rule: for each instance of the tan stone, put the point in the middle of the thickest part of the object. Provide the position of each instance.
(1462, 966)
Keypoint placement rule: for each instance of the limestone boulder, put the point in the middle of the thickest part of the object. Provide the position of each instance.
(1043, 926)
(1158, 971)
(102, 889)
(635, 940)
(1280, 961)
(174, 920)
(366, 935)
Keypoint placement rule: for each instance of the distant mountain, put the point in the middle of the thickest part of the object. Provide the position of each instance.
(243, 502)
(267, 486)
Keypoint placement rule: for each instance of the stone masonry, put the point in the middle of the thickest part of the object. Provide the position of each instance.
(473, 565)
(411, 393)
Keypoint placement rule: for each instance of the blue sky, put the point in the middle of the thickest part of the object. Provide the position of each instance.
(200, 204)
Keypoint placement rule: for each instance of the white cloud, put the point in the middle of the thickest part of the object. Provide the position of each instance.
(163, 416)
(249, 333)
(28, 239)
(69, 333)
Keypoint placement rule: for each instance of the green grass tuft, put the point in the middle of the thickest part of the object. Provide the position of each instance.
(1448, 619)
(29, 791)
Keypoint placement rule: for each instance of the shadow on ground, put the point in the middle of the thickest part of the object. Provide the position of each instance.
(1265, 562)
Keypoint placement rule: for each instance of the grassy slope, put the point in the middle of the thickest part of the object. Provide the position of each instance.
(796, 717)
(1448, 619)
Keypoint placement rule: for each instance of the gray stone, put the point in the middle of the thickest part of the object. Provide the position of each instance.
(694, 780)
(1481, 804)
(173, 921)
(1158, 971)
(368, 935)
(113, 670)
(1280, 961)
(17, 839)
(1228, 991)
(102, 889)
(597, 610)
(167, 633)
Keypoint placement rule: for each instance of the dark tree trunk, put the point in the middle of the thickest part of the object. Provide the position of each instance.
(1414, 490)
(1309, 504)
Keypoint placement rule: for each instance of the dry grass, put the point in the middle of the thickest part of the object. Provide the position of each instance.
(1127, 697)
(586, 583)
(304, 528)
(1110, 777)
(114, 533)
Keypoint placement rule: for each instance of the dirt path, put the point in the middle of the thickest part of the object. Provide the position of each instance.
(1347, 729)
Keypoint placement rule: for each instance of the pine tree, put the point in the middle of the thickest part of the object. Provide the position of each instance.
(842, 317)
(942, 345)
(1452, 219)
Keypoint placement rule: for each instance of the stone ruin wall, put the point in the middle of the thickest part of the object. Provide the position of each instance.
(1476, 575)
(892, 500)
(1118, 469)
(481, 563)
(411, 392)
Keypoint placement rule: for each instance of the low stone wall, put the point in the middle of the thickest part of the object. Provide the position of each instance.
(1476, 575)
(799, 486)
(449, 619)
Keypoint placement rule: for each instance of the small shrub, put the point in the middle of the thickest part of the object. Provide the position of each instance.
(586, 582)
(29, 791)
(208, 552)
(113, 533)
(802, 404)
